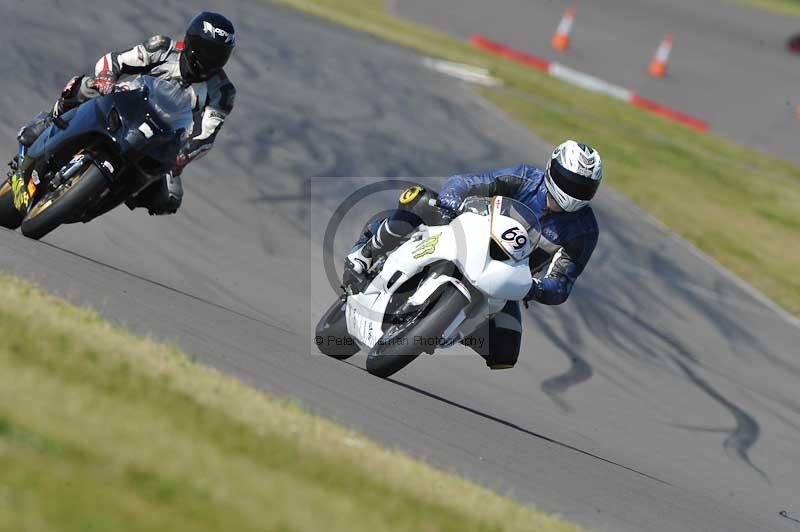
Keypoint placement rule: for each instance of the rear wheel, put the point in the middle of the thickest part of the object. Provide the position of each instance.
(331, 335)
(10, 217)
(64, 203)
(403, 343)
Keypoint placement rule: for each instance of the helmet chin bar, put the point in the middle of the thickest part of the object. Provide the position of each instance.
(565, 201)
(191, 74)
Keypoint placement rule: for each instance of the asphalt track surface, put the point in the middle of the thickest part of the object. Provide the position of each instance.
(661, 397)
(729, 63)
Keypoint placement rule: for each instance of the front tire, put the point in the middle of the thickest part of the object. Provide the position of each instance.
(10, 217)
(331, 335)
(62, 204)
(397, 349)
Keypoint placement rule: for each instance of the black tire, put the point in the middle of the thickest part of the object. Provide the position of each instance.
(395, 352)
(64, 203)
(331, 334)
(10, 217)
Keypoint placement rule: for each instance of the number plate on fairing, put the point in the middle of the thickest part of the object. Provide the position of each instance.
(511, 236)
(361, 322)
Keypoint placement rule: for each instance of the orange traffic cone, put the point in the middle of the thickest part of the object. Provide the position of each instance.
(560, 40)
(658, 65)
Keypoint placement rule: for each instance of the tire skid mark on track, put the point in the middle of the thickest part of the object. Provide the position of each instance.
(746, 432)
(767, 402)
(578, 372)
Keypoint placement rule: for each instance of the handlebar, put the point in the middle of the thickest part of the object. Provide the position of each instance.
(445, 214)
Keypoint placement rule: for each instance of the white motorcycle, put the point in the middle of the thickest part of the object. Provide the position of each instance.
(437, 288)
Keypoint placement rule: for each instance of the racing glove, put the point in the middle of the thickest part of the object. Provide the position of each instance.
(535, 293)
(180, 163)
(450, 199)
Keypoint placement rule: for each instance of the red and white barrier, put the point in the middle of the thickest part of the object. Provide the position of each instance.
(588, 82)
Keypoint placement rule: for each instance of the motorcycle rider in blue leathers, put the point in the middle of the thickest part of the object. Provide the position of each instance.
(559, 195)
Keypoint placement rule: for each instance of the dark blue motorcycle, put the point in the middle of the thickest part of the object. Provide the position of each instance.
(97, 156)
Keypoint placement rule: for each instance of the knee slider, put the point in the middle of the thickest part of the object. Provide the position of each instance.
(500, 366)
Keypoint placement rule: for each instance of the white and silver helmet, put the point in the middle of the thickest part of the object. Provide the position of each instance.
(573, 175)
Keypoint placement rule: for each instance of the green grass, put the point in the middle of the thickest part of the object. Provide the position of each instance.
(782, 7)
(738, 205)
(102, 430)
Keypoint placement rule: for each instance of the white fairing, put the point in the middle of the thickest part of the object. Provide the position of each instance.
(487, 283)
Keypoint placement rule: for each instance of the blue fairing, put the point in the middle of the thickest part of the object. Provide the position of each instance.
(84, 120)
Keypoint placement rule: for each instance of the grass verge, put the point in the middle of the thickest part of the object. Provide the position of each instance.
(102, 430)
(782, 7)
(737, 204)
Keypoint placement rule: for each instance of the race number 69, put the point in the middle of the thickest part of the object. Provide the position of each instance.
(516, 236)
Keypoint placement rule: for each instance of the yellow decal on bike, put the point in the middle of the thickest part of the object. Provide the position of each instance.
(21, 197)
(31, 188)
(426, 247)
(410, 194)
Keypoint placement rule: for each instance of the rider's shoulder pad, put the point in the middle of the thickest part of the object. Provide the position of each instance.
(157, 43)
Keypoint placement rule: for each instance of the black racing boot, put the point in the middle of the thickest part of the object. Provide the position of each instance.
(70, 98)
(33, 129)
(356, 266)
(13, 166)
(359, 262)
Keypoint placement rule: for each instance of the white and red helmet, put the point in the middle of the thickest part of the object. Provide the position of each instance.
(573, 175)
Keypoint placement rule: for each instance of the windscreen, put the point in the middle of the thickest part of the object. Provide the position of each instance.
(477, 205)
(515, 228)
(171, 103)
(516, 243)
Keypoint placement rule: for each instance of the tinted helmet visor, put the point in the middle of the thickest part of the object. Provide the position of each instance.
(575, 185)
(206, 58)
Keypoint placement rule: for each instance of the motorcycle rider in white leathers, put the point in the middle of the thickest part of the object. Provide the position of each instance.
(196, 63)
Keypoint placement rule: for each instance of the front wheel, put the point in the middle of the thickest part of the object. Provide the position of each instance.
(10, 217)
(64, 203)
(403, 343)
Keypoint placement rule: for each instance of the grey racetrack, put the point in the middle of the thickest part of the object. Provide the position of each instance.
(729, 64)
(662, 397)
